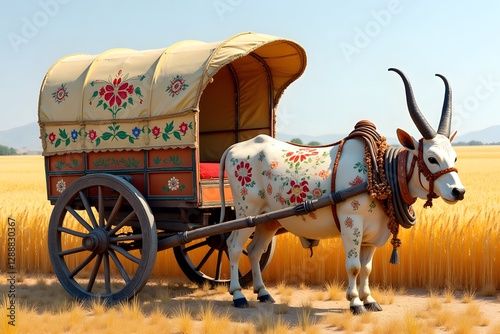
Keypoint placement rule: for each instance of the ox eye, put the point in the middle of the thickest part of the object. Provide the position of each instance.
(455, 159)
(433, 161)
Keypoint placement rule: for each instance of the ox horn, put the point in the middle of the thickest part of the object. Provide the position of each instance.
(445, 122)
(418, 118)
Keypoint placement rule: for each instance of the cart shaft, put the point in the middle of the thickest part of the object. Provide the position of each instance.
(307, 206)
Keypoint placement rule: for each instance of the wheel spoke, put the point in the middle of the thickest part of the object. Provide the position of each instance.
(107, 274)
(88, 208)
(82, 265)
(205, 258)
(192, 247)
(72, 232)
(219, 265)
(100, 206)
(119, 265)
(79, 218)
(122, 223)
(125, 253)
(93, 275)
(115, 210)
(71, 251)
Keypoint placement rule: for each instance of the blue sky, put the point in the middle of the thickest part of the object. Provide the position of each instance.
(350, 45)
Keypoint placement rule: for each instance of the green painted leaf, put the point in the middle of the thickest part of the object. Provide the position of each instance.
(63, 134)
(68, 141)
(97, 142)
(58, 142)
(131, 139)
(122, 134)
(105, 106)
(177, 135)
(99, 103)
(131, 101)
(169, 127)
(124, 105)
(106, 136)
(165, 137)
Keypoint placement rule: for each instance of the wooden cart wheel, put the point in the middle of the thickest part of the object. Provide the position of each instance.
(102, 239)
(207, 261)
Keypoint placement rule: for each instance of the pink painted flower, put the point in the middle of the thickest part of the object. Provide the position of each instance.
(317, 192)
(243, 173)
(280, 199)
(274, 165)
(156, 131)
(301, 154)
(92, 135)
(183, 128)
(244, 191)
(355, 204)
(348, 222)
(298, 191)
(269, 188)
(52, 137)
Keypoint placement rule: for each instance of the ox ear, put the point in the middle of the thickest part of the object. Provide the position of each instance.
(453, 136)
(406, 140)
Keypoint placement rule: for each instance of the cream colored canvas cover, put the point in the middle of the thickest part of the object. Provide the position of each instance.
(124, 99)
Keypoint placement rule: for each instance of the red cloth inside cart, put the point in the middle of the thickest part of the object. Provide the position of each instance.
(210, 170)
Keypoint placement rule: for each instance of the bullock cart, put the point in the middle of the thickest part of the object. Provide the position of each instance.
(132, 142)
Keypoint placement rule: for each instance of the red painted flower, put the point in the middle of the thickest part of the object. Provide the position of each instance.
(60, 94)
(52, 137)
(156, 131)
(298, 191)
(243, 173)
(183, 128)
(301, 154)
(92, 135)
(117, 92)
(317, 192)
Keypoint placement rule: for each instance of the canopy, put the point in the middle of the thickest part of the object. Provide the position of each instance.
(125, 99)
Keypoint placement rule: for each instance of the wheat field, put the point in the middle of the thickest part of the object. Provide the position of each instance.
(449, 247)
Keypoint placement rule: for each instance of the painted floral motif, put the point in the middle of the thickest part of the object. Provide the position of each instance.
(173, 184)
(348, 222)
(373, 205)
(352, 253)
(115, 133)
(60, 186)
(117, 93)
(361, 167)
(170, 130)
(60, 94)
(357, 234)
(243, 173)
(113, 162)
(177, 85)
(62, 137)
(324, 174)
(357, 180)
(355, 204)
(62, 164)
(300, 155)
(298, 191)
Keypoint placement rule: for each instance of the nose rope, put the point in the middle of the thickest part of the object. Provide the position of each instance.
(429, 176)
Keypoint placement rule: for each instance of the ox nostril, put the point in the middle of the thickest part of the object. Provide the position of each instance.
(458, 193)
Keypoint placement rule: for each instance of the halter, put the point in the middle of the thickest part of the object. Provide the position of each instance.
(429, 176)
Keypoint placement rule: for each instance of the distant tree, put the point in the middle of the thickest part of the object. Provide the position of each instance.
(314, 143)
(4, 150)
(296, 141)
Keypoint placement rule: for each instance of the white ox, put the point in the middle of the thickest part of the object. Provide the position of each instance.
(266, 174)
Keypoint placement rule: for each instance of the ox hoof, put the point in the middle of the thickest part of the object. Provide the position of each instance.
(241, 303)
(266, 299)
(373, 307)
(358, 309)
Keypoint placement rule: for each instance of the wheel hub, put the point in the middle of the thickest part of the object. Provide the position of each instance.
(218, 241)
(96, 241)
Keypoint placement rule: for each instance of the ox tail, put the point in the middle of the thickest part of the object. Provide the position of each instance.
(222, 167)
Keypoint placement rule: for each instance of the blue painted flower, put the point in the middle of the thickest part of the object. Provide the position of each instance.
(136, 132)
(74, 135)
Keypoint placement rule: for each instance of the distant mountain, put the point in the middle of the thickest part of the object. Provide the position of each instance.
(25, 138)
(486, 136)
